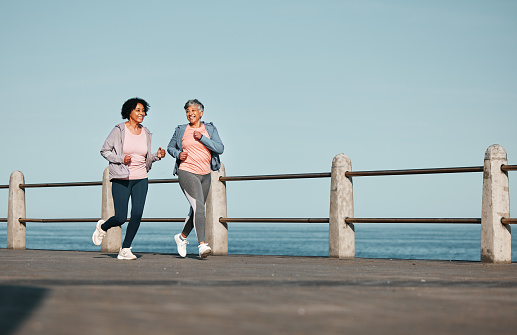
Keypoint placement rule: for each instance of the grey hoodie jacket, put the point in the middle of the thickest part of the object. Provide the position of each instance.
(113, 151)
(214, 144)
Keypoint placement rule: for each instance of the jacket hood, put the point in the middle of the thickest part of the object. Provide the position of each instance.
(122, 126)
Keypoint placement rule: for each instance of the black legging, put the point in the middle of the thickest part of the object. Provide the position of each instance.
(121, 191)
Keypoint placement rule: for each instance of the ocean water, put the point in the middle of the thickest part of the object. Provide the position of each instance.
(394, 241)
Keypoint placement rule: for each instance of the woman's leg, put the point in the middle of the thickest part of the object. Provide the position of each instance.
(120, 192)
(190, 184)
(205, 184)
(189, 223)
(138, 190)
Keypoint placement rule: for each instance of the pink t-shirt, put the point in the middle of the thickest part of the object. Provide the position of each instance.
(136, 147)
(198, 156)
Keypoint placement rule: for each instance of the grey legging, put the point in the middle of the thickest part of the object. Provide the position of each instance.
(195, 187)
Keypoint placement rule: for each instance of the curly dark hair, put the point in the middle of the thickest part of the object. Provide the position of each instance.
(129, 105)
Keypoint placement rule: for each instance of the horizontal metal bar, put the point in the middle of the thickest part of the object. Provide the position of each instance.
(356, 173)
(508, 221)
(163, 220)
(277, 176)
(23, 220)
(412, 220)
(163, 181)
(92, 183)
(291, 220)
(509, 167)
(354, 220)
(97, 219)
(413, 171)
(279, 220)
(3, 219)
(295, 176)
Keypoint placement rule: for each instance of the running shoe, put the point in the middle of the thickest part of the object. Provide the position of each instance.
(125, 253)
(181, 244)
(204, 250)
(98, 234)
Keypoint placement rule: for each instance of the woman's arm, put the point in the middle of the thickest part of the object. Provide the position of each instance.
(172, 148)
(155, 157)
(213, 143)
(107, 149)
(158, 155)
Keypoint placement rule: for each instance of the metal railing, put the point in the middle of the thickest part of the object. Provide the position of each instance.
(87, 183)
(348, 174)
(414, 171)
(97, 219)
(340, 176)
(351, 174)
(276, 176)
(507, 168)
(93, 183)
(360, 173)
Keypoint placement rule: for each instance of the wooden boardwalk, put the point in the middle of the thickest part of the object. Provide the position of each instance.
(69, 292)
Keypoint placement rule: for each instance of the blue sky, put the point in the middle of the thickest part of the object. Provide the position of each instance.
(289, 84)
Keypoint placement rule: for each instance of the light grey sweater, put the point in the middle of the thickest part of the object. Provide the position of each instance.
(113, 151)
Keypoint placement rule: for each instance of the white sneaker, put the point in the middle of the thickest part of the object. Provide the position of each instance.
(98, 234)
(125, 253)
(181, 244)
(204, 250)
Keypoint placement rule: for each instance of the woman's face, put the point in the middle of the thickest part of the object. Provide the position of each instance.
(194, 114)
(137, 115)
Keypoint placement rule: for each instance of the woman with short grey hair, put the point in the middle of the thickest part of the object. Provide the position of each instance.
(196, 146)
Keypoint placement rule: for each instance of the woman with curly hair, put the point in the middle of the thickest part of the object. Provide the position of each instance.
(128, 151)
(196, 147)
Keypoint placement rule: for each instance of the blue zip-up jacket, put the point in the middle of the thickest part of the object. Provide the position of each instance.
(214, 144)
(113, 151)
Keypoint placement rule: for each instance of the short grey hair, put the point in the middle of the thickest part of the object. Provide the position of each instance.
(194, 102)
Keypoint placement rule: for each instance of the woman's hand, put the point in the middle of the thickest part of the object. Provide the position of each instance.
(183, 155)
(160, 152)
(197, 135)
(127, 159)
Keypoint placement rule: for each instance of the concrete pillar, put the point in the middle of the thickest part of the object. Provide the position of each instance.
(16, 210)
(113, 239)
(341, 234)
(495, 236)
(217, 232)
